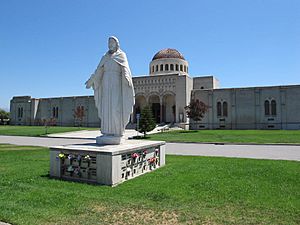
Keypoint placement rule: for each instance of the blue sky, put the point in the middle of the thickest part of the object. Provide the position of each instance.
(49, 48)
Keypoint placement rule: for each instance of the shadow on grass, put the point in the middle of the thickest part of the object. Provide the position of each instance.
(45, 175)
(188, 131)
(140, 137)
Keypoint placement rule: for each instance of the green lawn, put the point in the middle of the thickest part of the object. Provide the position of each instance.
(37, 130)
(197, 190)
(231, 136)
(206, 136)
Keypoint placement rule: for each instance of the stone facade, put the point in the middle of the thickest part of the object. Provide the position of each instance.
(168, 89)
(276, 107)
(32, 111)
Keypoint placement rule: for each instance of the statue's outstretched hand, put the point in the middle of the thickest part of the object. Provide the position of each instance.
(89, 83)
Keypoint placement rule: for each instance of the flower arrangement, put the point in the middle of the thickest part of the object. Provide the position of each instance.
(152, 160)
(70, 156)
(87, 157)
(145, 152)
(61, 156)
(134, 155)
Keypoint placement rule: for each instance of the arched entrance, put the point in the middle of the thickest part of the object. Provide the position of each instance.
(140, 103)
(154, 103)
(169, 108)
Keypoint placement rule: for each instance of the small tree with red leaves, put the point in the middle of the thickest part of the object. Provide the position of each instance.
(196, 110)
(48, 122)
(79, 115)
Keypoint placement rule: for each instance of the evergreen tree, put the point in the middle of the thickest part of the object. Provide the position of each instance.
(147, 122)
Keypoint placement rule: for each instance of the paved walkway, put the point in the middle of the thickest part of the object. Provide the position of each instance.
(2, 223)
(41, 141)
(283, 152)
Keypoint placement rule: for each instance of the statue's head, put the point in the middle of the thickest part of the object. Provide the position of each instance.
(113, 44)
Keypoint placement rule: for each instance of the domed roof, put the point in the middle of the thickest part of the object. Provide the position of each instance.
(168, 53)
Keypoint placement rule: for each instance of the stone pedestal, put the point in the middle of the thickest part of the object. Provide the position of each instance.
(106, 164)
(109, 140)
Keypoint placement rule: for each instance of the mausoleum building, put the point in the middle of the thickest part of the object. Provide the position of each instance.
(167, 90)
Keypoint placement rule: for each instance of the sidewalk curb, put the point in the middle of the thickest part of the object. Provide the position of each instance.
(230, 143)
(81, 138)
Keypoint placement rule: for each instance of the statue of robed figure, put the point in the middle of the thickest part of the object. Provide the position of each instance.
(113, 93)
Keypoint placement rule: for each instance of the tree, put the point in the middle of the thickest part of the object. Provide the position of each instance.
(147, 122)
(4, 116)
(196, 110)
(48, 122)
(79, 115)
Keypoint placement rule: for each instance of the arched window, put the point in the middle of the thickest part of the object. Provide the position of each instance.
(219, 109)
(177, 68)
(172, 67)
(20, 112)
(181, 68)
(53, 112)
(184, 68)
(225, 109)
(167, 67)
(273, 108)
(152, 69)
(267, 108)
(161, 67)
(156, 68)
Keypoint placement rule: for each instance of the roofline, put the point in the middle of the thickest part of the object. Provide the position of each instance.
(157, 75)
(243, 88)
(167, 58)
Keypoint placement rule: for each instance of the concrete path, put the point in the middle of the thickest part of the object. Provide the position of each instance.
(2, 223)
(283, 152)
(41, 141)
(89, 134)
(92, 134)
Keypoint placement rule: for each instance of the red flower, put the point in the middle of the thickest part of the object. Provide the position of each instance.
(152, 160)
(134, 155)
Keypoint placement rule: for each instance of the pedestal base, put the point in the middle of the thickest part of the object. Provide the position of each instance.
(108, 140)
(106, 164)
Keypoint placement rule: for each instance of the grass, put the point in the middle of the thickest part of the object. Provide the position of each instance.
(206, 136)
(36, 131)
(194, 190)
(230, 136)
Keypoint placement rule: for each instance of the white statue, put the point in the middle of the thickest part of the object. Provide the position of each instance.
(113, 93)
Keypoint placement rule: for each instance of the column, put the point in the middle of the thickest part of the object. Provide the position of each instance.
(161, 109)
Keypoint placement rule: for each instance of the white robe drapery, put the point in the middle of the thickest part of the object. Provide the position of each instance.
(113, 92)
